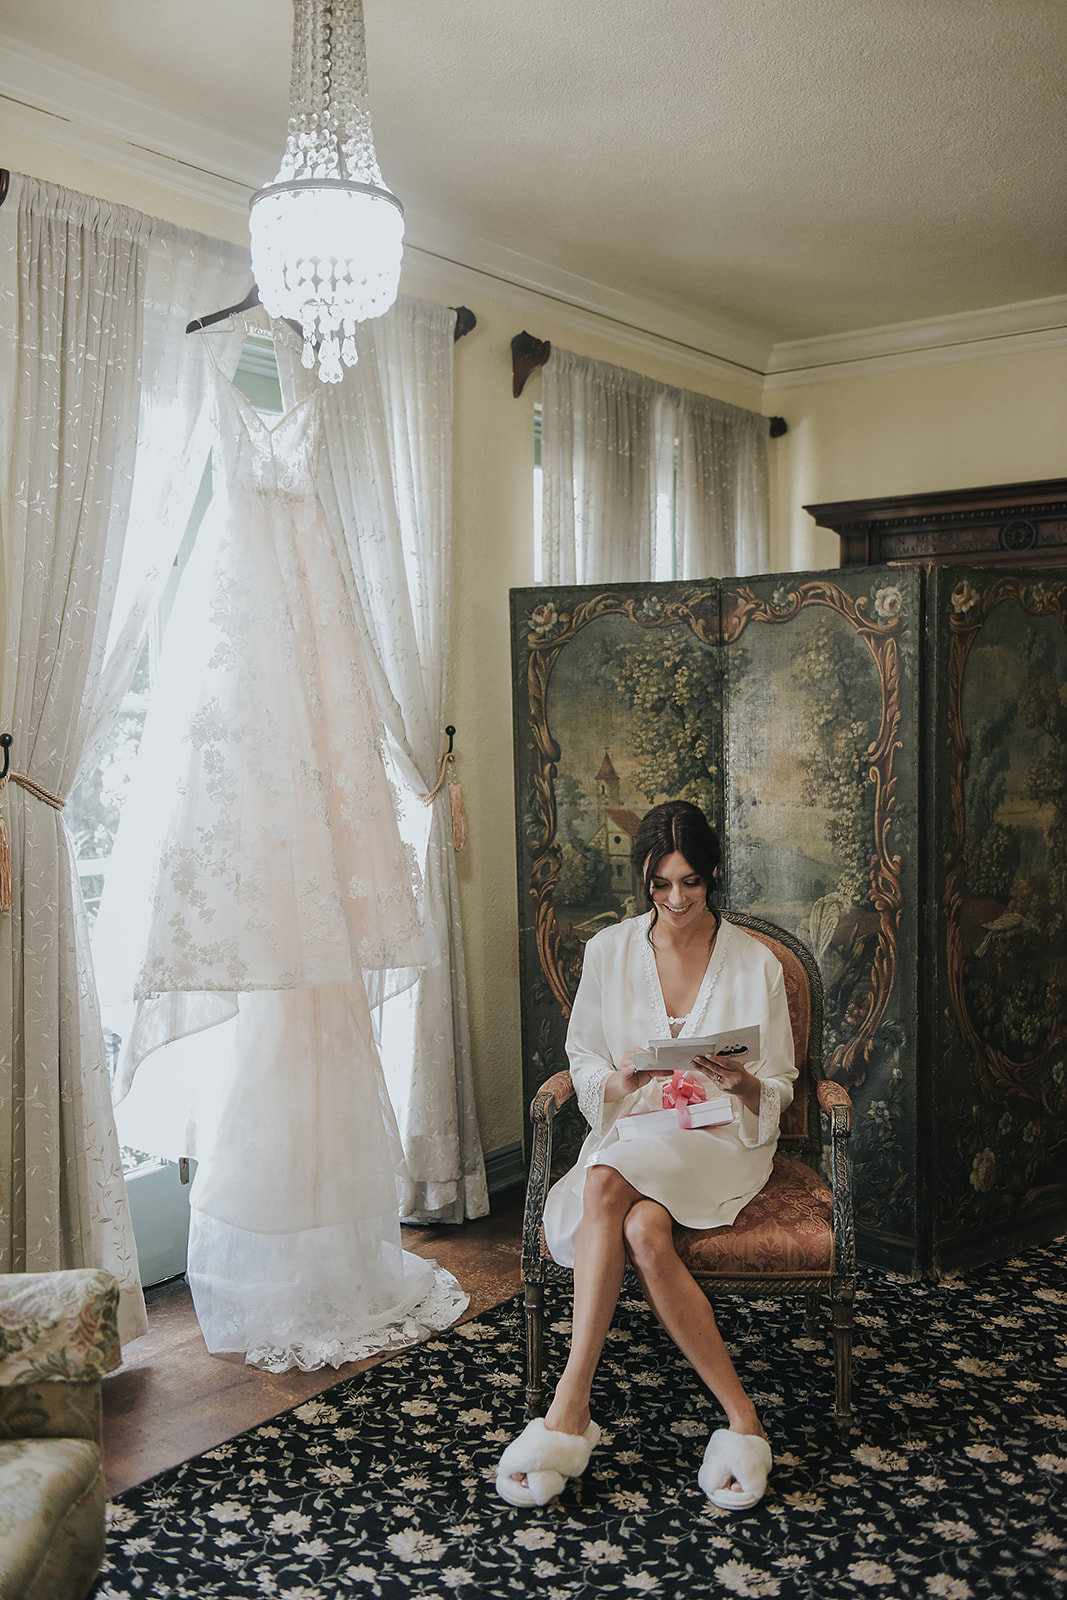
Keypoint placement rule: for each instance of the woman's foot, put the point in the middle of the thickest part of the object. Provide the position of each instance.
(535, 1467)
(748, 1424)
(733, 1473)
(566, 1417)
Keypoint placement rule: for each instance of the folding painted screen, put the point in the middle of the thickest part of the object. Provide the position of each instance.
(879, 749)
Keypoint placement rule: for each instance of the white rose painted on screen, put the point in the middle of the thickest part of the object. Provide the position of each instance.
(888, 603)
(543, 618)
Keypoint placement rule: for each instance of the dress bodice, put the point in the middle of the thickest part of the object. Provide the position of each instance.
(275, 458)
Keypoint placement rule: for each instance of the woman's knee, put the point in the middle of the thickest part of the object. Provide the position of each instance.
(648, 1235)
(606, 1190)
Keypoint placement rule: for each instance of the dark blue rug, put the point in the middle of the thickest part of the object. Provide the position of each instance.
(952, 1486)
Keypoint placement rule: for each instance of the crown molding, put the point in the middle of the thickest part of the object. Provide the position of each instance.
(97, 118)
(95, 145)
(721, 340)
(965, 336)
(92, 117)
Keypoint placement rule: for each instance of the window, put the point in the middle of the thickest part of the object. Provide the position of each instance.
(666, 552)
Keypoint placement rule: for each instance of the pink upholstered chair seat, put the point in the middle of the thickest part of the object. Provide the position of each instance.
(785, 1232)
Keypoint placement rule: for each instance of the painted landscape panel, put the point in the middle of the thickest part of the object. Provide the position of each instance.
(1002, 1113)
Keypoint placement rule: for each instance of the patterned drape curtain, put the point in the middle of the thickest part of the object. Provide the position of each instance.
(722, 499)
(73, 285)
(88, 295)
(632, 468)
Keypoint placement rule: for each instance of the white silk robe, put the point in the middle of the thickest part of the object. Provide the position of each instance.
(704, 1176)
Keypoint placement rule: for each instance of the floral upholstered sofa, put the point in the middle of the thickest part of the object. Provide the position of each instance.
(58, 1336)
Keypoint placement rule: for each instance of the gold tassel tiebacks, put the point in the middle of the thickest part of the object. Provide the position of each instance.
(455, 796)
(459, 816)
(5, 867)
(53, 800)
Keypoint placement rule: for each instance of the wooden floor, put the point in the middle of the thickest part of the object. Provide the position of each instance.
(171, 1400)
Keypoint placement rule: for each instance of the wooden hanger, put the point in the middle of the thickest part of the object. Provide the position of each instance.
(251, 299)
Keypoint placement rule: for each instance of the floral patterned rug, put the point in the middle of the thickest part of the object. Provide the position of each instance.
(952, 1486)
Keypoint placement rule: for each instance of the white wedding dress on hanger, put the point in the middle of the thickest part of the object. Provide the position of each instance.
(257, 875)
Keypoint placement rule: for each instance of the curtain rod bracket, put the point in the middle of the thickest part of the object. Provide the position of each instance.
(466, 321)
(527, 354)
(778, 426)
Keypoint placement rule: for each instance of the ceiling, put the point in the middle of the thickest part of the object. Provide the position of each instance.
(759, 171)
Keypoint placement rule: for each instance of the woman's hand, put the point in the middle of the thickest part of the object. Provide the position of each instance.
(627, 1079)
(728, 1076)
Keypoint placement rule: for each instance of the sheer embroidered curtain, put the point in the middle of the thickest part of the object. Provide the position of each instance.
(87, 292)
(387, 486)
(187, 275)
(624, 458)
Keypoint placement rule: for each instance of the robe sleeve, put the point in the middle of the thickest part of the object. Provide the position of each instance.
(776, 1071)
(588, 1051)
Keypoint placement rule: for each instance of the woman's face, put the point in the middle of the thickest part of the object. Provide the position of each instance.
(678, 893)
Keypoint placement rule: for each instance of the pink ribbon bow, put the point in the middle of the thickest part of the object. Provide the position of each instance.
(677, 1095)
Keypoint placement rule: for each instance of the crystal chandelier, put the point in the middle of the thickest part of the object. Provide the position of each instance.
(326, 234)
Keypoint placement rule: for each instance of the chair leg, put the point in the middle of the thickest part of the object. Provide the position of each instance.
(811, 1317)
(843, 1317)
(534, 1306)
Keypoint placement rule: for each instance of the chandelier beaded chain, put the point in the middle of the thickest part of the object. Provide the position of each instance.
(329, 114)
(327, 235)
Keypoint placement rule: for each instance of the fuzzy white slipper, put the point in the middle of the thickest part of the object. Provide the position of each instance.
(548, 1458)
(741, 1457)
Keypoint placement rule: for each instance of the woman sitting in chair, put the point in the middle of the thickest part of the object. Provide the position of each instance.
(679, 971)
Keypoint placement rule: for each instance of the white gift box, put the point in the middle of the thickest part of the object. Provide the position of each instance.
(702, 1114)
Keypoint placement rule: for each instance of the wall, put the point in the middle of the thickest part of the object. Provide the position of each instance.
(969, 419)
(880, 430)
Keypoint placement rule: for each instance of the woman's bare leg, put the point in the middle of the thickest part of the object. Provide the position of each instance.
(685, 1311)
(599, 1262)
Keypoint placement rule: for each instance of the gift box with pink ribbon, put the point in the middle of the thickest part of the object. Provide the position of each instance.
(685, 1106)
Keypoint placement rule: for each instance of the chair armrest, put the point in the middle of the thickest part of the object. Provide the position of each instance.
(832, 1094)
(553, 1093)
(835, 1101)
(58, 1327)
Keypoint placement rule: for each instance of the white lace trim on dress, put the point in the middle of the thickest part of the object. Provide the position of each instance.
(438, 1310)
(590, 1092)
(693, 1021)
(770, 1114)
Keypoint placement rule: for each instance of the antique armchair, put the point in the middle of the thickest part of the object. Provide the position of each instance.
(795, 1238)
(58, 1336)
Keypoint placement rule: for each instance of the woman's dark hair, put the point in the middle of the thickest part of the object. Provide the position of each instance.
(675, 825)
